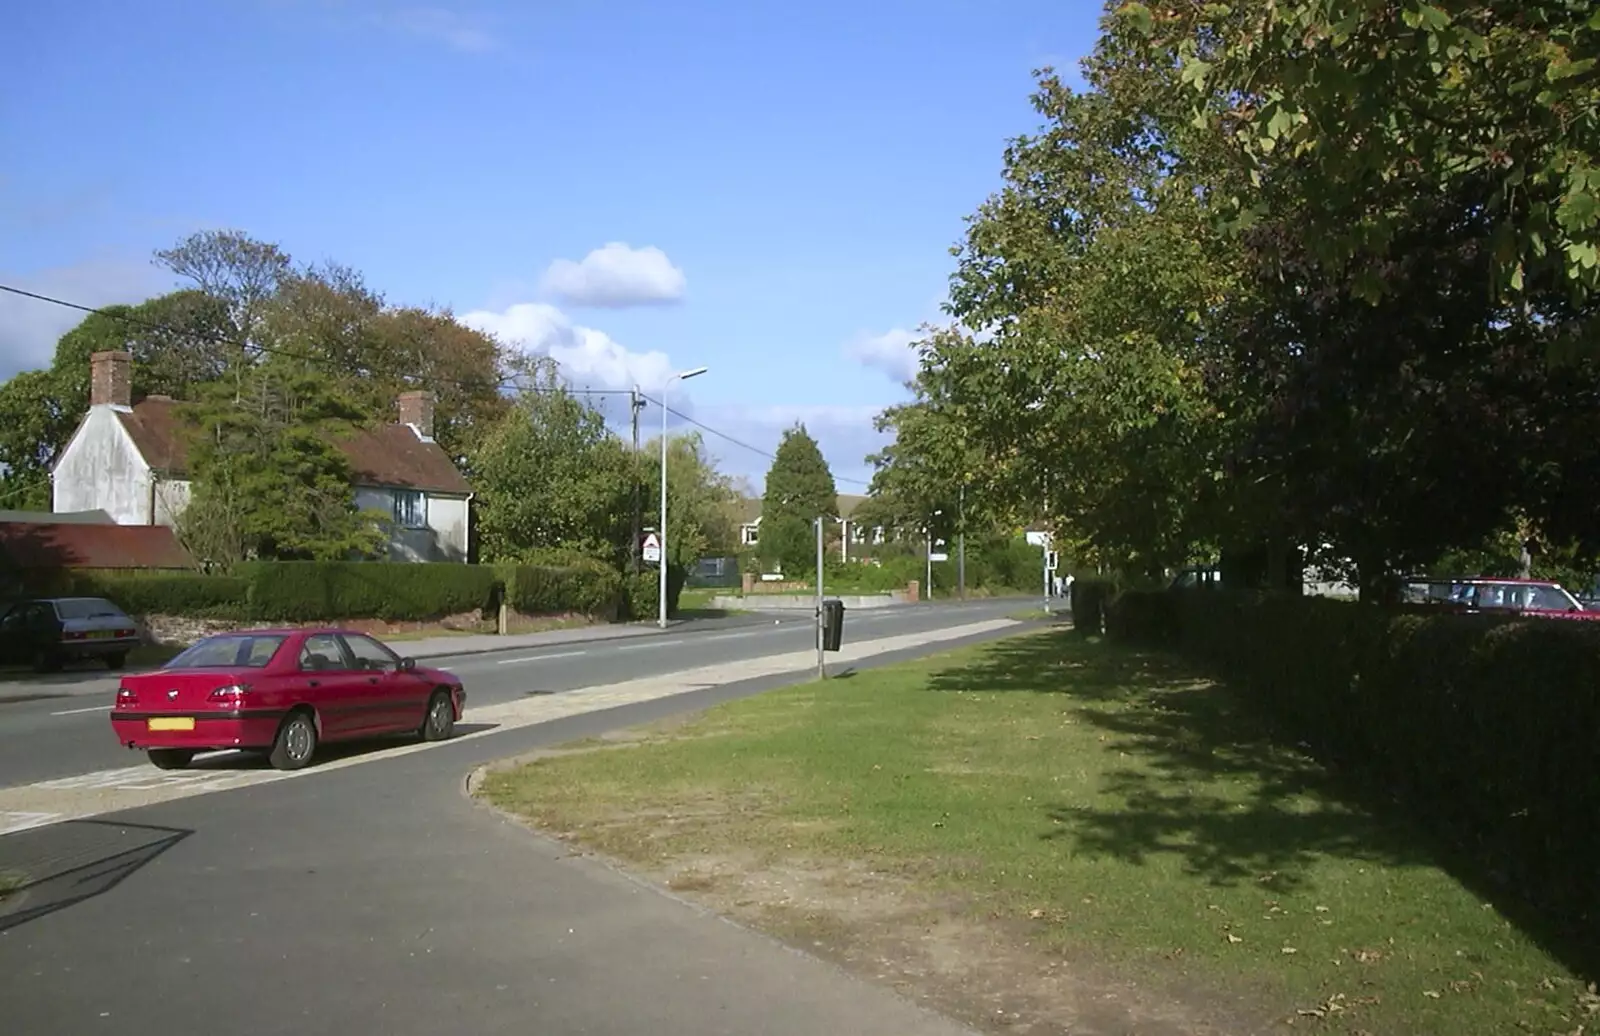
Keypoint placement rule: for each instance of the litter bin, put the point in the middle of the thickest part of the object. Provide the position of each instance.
(832, 624)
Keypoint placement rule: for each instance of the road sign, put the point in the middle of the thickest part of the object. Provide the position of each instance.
(652, 548)
(938, 555)
(1051, 560)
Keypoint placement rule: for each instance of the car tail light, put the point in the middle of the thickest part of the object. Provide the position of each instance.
(125, 633)
(127, 696)
(73, 635)
(232, 694)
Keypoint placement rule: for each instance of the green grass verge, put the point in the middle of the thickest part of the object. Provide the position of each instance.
(1096, 803)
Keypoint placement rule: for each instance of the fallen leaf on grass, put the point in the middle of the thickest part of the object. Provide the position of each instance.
(1290, 949)
(1431, 994)
(1036, 913)
(1234, 938)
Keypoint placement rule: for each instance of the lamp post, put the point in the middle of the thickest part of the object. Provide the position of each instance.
(661, 617)
(929, 531)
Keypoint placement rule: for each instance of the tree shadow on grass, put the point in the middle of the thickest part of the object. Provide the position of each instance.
(1210, 779)
(1205, 780)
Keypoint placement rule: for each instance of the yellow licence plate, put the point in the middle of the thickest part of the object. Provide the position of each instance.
(171, 723)
(102, 634)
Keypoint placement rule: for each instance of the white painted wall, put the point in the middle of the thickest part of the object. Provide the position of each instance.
(100, 468)
(447, 517)
(172, 497)
(445, 538)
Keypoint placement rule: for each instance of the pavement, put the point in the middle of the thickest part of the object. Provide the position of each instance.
(368, 893)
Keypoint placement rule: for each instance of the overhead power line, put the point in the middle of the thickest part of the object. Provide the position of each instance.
(741, 443)
(311, 358)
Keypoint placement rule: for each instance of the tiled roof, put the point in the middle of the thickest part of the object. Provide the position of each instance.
(384, 455)
(33, 545)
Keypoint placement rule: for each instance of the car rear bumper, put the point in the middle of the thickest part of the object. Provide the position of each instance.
(97, 648)
(243, 728)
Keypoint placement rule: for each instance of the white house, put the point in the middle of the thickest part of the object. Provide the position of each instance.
(132, 461)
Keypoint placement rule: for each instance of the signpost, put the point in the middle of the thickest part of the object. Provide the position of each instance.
(652, 549)
(1049, 567)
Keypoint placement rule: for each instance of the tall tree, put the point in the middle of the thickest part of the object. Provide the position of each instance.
(1096, 388)
(799, 489)
(1347, 114)
(551, 476)
(268, 479)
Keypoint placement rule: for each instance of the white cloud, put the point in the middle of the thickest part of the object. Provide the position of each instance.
(616, 275)
(448, 27)
(893, 352)
(589, 358)
(29, 327)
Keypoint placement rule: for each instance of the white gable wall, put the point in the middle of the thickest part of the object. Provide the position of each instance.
(443, 539)
(101, 469)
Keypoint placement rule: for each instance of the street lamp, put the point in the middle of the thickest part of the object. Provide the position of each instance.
(661, 618)
(929, 531)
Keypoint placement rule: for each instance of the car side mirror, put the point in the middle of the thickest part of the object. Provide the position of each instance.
(407, 664)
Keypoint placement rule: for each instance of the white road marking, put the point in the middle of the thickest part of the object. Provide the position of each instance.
(11, 823)
(79, 712)
(540, 658)
(652, 644)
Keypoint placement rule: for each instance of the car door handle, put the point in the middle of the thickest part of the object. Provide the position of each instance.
(315, 683)
(372, 679)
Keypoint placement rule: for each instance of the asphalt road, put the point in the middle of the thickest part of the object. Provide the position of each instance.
(379, 898)
(48, 738)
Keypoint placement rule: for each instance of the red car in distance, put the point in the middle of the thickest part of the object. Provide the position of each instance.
(1536, 598)
(282, 692)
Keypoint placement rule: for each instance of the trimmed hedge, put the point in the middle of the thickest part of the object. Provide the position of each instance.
(311, 591)
(1486, 726)
(583, 586)
(166, 593)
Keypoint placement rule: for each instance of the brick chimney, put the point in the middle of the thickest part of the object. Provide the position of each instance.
(111, 379)
(416, 410)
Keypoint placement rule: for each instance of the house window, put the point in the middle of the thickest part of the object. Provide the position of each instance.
(410, 509)
(749, 535)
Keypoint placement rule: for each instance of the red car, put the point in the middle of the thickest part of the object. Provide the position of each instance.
(282, 692)
(1538, 598)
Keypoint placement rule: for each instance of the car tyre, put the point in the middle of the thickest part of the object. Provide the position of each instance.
(117, 660)
(439, 722)
(296, 742)
(170, 758)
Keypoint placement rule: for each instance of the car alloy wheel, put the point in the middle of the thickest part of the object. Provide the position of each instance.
(441, 719)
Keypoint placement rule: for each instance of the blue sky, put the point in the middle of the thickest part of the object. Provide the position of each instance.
(779, 184)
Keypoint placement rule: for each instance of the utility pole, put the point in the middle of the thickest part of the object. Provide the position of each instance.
(635, 404)
(822, 666)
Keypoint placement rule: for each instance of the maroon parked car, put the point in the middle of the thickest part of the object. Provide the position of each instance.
(282, 692)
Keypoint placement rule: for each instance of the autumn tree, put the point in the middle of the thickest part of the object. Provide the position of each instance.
(799, 489)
